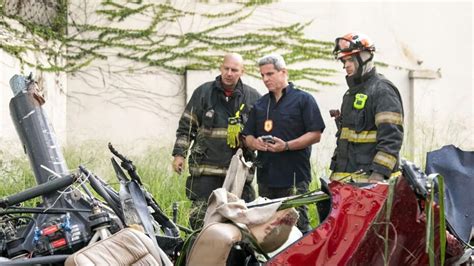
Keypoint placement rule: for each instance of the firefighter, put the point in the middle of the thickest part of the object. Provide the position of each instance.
(212, 121)
(370, 122)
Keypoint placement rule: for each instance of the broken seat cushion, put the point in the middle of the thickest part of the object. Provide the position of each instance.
(213, 244)
(127, 247)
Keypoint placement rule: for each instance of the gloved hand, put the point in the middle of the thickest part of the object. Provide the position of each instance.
(376, 177)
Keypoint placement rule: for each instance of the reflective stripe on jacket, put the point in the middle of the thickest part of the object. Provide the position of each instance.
(204, 126)
(370, 138)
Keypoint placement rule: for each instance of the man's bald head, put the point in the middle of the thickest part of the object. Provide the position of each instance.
(232, 69)
(233, 57)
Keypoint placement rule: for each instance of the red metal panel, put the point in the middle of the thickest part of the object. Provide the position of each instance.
(338, 237)
(354, 232)
(407, 233)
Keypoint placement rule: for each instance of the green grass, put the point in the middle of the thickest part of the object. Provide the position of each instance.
(153, 165)
(15, 175)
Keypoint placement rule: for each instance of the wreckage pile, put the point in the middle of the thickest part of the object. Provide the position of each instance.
(83, 220)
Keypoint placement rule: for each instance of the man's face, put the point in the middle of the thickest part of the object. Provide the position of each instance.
(231, 71)
(274, 79)
(350, 64)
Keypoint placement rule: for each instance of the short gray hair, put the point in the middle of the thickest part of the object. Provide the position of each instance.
(275, 59)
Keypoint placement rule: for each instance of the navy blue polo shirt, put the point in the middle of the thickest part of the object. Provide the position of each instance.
(295, 114)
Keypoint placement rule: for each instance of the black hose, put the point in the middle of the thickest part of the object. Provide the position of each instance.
(42, 189)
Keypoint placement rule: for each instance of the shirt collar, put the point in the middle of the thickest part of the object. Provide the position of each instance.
(237, 89)
(286, 90)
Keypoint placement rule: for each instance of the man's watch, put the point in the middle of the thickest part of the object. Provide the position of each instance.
(287, 148)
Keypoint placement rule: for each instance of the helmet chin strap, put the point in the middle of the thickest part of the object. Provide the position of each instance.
(357, 77)
(360, 67)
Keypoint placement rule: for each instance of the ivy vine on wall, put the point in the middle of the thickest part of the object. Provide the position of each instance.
(170, 35)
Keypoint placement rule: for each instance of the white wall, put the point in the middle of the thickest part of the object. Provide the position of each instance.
(404, 33)
(123, 107)
(54, 89)
(132, 107)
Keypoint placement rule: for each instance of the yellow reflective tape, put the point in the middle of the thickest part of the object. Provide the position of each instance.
(385, 159)
(361, 137)
(207, 170)
(388, 117)
(237, 114)
(346, 177)
(182, 141)
(191, 117)
(396, 174)
(361, 178)
(217, 133)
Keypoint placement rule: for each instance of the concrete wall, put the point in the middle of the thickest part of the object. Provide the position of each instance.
(124, 107)
(52, 85)
(143, 107)
(54, 88)
(439, 111)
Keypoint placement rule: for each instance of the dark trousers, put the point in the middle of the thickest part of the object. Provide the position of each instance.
(198, 190)
(274, 193)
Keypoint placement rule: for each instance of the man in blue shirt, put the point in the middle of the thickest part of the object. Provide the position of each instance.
(292, 118)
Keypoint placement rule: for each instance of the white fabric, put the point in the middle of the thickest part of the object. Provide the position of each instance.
(236, 174)
(224, 206)
(365, 55)
(269, 227)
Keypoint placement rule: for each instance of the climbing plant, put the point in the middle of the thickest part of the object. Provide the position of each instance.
(171, 36)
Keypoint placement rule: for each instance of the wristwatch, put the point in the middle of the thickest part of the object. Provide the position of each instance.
(287, 148)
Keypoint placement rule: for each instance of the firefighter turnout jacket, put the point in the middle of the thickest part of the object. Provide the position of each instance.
(204, 125)
(370, 130)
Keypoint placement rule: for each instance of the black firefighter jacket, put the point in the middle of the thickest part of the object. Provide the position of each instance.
(370, 138)
(205, 121)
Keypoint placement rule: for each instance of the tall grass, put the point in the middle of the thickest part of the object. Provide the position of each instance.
(153, 165)
(15, 175)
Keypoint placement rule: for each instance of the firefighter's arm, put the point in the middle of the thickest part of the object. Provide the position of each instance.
(389, 123)
(188, 125)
